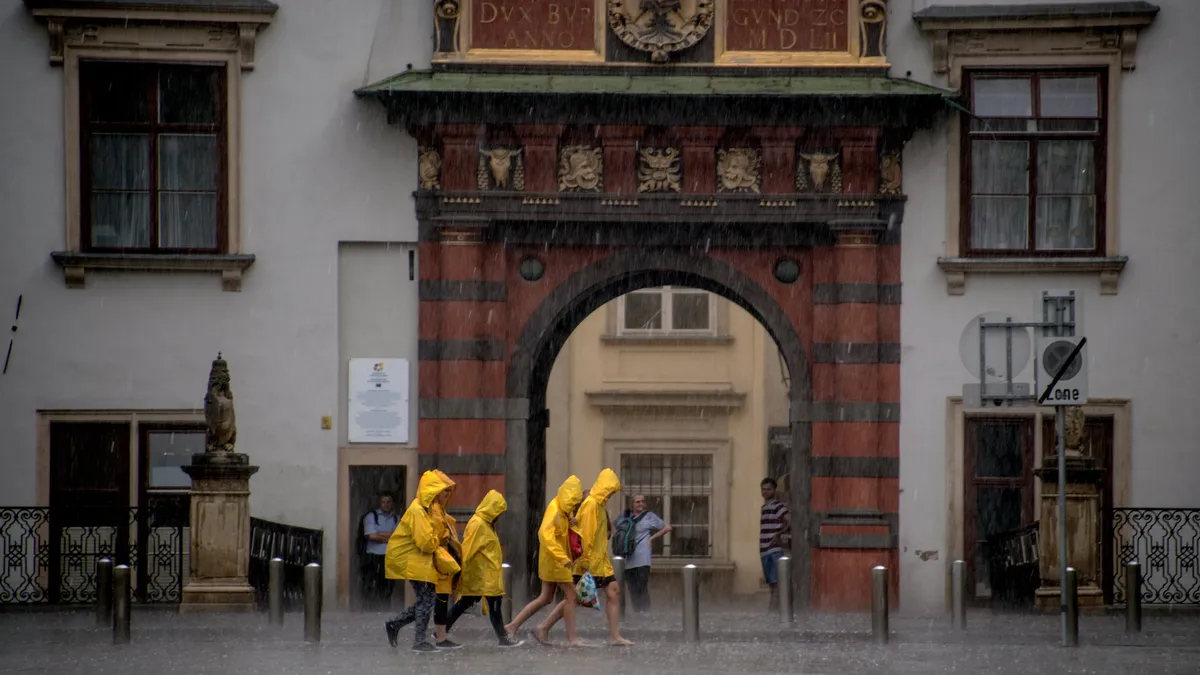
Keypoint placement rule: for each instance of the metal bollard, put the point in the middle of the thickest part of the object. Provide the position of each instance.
(879, 604)
(958, 594)
(786, 615)
(275, 591)
(691, 604)
(312, 602)
(1071, 601)
(618, 564)
(507, 602)
(104, 568)
(121, 598)
(1133, 597)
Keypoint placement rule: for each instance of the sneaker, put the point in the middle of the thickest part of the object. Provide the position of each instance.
(448, 644)
(424, 648)
(507, 641)
(393, 631)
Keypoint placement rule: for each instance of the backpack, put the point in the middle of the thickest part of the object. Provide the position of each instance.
(624, 532)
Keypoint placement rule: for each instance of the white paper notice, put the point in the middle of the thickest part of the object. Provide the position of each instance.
(378, 408)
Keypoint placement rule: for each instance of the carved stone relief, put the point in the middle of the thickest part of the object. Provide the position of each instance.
(429, 168)
(501, 169)
(659, 170)
(660, 27)
(580, 169)
(890, 173)
(818, 172)
(739, 170)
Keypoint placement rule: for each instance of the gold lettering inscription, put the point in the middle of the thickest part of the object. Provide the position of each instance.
(787, 25)
(533, 24)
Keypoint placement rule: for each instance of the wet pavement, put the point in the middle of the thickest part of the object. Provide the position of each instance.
(164, 642)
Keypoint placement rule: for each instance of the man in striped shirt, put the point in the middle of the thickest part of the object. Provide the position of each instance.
(774, 524)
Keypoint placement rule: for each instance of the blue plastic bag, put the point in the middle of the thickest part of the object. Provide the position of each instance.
(585, 592)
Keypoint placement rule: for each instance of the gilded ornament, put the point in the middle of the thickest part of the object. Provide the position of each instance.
(447, 10)
(219, 419)
(501, 169)
(872, 16)
(738, 170)
(890, 173)
(818, 172)
(429, 169)
(580, 169)
(660, 27)
(659, 170)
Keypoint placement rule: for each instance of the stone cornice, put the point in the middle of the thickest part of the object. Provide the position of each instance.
(659, 399)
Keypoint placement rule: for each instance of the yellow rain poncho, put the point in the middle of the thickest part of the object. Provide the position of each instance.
(447, 534)
(554, 558)
(411, 546)
(482, 555)
(592, 520)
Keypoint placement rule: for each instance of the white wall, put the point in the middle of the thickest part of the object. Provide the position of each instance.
(319, 166)
(1142, 342)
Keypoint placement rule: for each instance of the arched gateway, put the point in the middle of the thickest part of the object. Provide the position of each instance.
(548, 190)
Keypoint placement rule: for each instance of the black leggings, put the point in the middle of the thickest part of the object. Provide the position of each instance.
(418, 612)
(493, 609)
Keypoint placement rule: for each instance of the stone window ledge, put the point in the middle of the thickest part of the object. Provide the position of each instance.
(75, 265)
(666, 339)
(956, 269)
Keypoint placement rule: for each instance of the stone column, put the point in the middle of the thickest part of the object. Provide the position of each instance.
(1083, 522)
(220, 509)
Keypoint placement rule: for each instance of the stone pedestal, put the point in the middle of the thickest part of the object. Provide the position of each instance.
(1083, 532)
(220, 533)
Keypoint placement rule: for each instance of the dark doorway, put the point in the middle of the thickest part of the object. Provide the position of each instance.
(366, 484)
(89, 504)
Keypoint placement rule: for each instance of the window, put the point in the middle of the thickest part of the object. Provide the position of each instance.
(999, 487)
(1034, 156)
(165, 449)
(152, 157)
(679, 488)
(667, 310)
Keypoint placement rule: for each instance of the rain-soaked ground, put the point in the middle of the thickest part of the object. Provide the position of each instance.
(732, 643)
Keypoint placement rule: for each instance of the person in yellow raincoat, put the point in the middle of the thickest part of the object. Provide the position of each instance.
(447, 530)
(410, 555)
(592, 519)
(554, 558)
(482, 566)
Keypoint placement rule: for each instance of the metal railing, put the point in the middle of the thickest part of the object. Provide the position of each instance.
(296, 546)
(1013, 566)
(1166, 542)
(49, 556)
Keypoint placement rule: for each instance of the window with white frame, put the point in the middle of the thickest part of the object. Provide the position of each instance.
(679, 488)
(667, 310)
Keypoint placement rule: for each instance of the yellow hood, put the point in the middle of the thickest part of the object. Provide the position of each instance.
(430, 486)
(606, 484)
(493, 505)
(570, 493)
(449, 483)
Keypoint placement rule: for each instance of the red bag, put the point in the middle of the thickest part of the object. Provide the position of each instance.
(576, 544)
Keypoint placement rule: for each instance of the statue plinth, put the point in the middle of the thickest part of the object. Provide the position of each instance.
(1083, 532)
(220, 533)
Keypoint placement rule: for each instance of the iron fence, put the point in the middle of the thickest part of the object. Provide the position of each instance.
(1013, 566)
(297, 546)
(1167, 544)
(49, 556)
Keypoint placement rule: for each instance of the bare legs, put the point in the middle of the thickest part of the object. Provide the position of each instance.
(545, 598)
(612, 610)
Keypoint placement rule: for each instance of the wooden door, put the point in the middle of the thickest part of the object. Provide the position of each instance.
(1098, 445)
(998, 486)
(89, 504)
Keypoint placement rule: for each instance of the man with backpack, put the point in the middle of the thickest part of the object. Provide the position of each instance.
(632, 537)
(374, 529)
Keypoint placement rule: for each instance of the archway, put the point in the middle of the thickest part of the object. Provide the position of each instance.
(564, 308)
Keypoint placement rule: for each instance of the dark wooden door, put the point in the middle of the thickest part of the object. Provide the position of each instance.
(1098, 445)
(998, 486)
(89, 504)
(366, 483)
